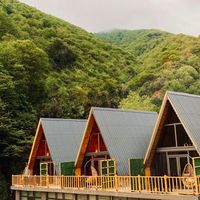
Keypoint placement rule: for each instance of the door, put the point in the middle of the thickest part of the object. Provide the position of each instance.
(176, 164)
(173, 168)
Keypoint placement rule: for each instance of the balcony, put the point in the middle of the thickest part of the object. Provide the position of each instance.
(128, 184)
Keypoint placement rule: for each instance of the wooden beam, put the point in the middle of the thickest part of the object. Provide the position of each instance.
(101, 153)
(175, 149)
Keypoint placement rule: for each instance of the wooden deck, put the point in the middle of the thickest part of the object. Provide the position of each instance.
(116, 184)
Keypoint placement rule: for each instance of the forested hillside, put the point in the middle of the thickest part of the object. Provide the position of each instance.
(50, 68)
(164, 62)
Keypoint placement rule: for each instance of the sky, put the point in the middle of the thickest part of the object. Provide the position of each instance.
(176, 16)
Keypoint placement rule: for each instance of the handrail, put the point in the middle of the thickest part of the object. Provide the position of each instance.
(153, 184)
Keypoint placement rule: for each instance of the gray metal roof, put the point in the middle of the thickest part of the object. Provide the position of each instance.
(126, 133)
(187, 107)
(63, 138)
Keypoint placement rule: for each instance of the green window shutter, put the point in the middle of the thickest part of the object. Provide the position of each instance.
(196, 166)
(67, 168)
(43, 169)
(136, 167)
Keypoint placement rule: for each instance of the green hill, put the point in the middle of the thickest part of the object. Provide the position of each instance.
(165, 62)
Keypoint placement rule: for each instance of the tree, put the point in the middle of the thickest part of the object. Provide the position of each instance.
(61, 55)
(136, 102)
(7, 26)
(28, 65)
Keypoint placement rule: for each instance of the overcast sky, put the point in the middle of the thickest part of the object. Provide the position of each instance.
(177, 16)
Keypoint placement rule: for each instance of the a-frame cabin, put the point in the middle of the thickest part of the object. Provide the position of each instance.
(55, 146)
(176, 136)
(112, 137)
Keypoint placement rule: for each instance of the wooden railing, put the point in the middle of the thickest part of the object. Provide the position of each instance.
(153, 184)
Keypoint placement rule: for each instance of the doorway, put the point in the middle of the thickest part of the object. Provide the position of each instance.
(176, 164)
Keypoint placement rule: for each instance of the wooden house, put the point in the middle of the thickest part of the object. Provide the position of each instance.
(111, 139)
(176, 136)
(55, 146)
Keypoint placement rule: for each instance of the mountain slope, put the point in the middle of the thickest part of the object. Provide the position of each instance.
(137, 42)
(165, 62)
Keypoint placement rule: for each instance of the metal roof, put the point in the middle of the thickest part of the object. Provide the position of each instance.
(63, 138)
(126, 133)
(187, 107)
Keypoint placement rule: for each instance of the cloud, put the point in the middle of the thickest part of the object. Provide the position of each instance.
(177, 16)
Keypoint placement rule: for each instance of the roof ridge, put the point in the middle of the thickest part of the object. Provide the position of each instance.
(183, 94)
(123, 110)
(62, 119)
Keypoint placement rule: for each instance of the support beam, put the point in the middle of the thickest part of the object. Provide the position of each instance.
(175, 149)
(173, 124)
(78, 172)
(102, 153)
(147, 171)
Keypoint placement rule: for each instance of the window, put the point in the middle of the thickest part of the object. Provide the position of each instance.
(108, 167)
(47, 168)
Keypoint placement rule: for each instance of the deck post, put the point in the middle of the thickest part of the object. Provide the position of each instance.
(47, 181)
(139, 183)
(165, 181)
(34, 179)
(62, 181)
(96, 182)
(22, 179)
(116, 183)
(78, 182)
(196, 185)
(40, 180)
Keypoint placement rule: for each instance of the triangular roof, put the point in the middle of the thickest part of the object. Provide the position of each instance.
(126, 134)
(63, 138)
(187, 109)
